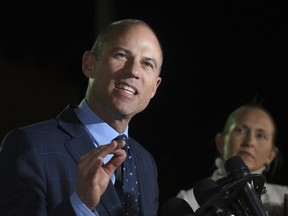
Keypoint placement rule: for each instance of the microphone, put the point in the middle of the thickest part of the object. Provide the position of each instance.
(252, 186)
(176, 206)
(211, 198)
(204, 190)
(237, 194)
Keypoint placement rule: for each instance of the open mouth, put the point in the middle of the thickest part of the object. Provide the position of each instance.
(129, 89)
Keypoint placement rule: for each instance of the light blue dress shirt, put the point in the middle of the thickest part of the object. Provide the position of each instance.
(101, 133)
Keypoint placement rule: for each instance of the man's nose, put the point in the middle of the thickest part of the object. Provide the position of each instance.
(133, 68)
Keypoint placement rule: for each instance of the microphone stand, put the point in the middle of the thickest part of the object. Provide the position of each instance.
(239, 196)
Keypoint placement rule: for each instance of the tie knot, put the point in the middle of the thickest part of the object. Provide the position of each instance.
(121, 137)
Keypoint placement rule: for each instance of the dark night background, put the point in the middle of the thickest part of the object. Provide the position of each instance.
(217, 56)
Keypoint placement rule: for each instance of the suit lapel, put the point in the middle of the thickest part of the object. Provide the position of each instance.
(79, 144)
(110, 201)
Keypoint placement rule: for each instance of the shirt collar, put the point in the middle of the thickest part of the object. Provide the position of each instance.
(99, 130)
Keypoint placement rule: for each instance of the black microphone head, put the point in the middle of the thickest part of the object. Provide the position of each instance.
(204, 190)
(222, 182)
(176, 206)
(236, 168)
(241, 179)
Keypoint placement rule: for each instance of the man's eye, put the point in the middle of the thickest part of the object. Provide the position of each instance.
(148, 64)
(121, 55)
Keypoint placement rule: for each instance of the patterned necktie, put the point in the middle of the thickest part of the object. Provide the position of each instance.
(130, 188)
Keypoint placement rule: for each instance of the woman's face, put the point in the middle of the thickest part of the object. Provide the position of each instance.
(251, 137)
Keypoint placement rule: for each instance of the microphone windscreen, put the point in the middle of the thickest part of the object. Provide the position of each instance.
(236, 168)
(222, 182)
(204, 189)
(176, 206)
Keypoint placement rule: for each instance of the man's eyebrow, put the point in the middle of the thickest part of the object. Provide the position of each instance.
(115, 49)
(151, 60)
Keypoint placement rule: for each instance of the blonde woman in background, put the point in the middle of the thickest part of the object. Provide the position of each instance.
(249, 132)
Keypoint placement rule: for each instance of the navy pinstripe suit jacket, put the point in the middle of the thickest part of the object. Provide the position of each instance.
(38, 166)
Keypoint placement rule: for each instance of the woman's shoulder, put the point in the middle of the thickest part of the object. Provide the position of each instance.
(276, 189)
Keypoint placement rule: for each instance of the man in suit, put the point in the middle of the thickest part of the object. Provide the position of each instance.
(67, 165)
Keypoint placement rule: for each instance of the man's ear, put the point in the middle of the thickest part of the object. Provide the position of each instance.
(88, 60)
(219, 140)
